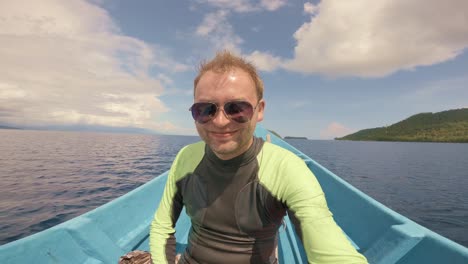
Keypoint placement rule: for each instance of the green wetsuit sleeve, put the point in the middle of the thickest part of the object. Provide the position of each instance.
(297, 187)
(162, 240)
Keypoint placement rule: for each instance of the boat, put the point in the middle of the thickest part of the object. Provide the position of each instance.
(122, 225)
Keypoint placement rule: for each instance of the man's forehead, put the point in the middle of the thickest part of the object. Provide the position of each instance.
(226, 71)
(231, 74)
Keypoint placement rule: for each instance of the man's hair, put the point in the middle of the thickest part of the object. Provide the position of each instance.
(225, 61)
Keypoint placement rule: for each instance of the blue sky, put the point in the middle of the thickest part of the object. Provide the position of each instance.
(330, 67)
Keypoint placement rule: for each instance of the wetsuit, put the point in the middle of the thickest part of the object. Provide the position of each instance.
(236, 207)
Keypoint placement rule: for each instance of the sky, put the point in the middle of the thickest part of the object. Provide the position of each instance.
(330, 67)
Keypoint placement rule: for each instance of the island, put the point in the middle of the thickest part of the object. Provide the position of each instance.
(289, 137)
(446, 126)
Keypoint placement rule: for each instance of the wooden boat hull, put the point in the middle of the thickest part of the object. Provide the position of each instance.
(112, 230)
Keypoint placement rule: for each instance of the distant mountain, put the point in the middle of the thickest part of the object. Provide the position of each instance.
(87, 128)
(95, 128)
(8, 127)
(446, 126)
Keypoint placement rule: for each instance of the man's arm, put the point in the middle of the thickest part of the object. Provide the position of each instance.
(324, 241)
(162, 240)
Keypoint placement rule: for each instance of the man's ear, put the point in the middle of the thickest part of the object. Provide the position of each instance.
(260, 110)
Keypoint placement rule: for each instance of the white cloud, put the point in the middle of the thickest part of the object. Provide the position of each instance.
(65, 62)
(264, 61)
(212, 22)
(272, 5)
(244, 6)
(235, 5)
(166, 80)
(334, 130)
(370, 38)
(10, 91)
(310, 8)
(219, 32)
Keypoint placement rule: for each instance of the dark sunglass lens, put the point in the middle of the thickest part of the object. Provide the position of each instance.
(203, 112)
(240, 112)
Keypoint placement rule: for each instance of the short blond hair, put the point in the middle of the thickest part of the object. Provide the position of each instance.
(225, 61)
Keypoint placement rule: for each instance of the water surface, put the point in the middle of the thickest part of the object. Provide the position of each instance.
(48, 177)
(426, 182)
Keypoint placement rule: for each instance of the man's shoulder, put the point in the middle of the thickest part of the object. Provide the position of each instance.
(191, 151)
(197, 147)
(279, 168)
(187, 159)
(276, 152)
(278, 158)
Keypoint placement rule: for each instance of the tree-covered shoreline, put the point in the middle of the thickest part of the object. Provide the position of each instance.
(446, 126)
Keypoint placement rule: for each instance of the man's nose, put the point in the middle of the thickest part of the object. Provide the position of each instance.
(220, 118)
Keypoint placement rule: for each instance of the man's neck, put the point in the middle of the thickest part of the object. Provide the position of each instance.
(233, 156)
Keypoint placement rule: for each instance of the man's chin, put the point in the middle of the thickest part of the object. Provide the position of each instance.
(224, 149)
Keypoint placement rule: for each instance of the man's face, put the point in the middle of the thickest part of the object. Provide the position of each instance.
(228, 139)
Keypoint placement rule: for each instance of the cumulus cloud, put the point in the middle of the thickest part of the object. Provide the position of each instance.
(272, 5)
(219, 32)
(310, 8)
(65, 62)
(243, 6)
(212, 22)
(216, 28)
(264, 61)
(334, 130)
(375, 38)
(235, 5)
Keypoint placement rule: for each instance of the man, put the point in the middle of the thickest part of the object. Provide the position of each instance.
(237, 188)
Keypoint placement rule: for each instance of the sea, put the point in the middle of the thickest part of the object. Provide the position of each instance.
(48, 177)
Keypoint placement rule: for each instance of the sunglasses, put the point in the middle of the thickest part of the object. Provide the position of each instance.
(238, 111)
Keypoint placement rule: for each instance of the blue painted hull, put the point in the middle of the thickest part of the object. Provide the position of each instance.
(110, 231)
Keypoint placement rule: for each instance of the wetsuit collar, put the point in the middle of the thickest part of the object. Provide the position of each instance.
(240, 160)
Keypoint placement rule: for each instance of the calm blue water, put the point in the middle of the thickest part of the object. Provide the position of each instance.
(426, 182)
(48, 177)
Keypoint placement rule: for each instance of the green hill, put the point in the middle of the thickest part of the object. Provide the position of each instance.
(446, 126)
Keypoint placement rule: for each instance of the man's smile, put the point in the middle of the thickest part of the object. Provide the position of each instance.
(222, 134)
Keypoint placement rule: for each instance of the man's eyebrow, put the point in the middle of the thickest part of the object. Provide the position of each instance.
(216, 101)
(205, 100)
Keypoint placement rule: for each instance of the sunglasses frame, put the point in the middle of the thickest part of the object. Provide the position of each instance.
(228, 116)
